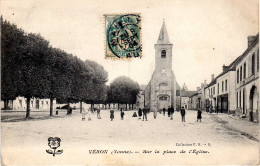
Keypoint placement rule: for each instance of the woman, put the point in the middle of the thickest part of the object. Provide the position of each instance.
(112, 115)
(199, 116)
(140, 113)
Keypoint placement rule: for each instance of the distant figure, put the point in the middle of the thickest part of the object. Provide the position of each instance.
(251, 119)
(148, 110)
(89, 117)
(112, 115)
(169, 111)
(98, 113)
(122, 114)
(155, 112)
(183, 114)
(199, 116)
(145, 113)
(83, 114)
(135, 115)
(217, 109)
(164, 111)
(140, 113)
(172, 111)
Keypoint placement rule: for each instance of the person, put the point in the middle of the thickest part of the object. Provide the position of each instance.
(89, 117)
(83, 115)
(183, 114)
(98, 113)
(164, 111)
(199, 116)
(145, 113)
(140, 113)
(172, 111)
(251, 116)
(135, 115)
(169, 111)
(217, 109)
(211, 108)
(112, 115)
(122, 114)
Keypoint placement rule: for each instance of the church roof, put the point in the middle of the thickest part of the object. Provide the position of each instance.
(163, 36)
(188, 93)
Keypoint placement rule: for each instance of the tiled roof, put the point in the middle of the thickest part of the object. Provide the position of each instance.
(187, 93)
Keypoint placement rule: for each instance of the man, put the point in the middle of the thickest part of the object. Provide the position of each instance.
(169, 111)
(164, 111)
(145, 113)
(183, 114)
(98, 113)
(172, 111)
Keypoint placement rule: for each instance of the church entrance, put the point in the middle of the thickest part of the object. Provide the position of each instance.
(163, 102)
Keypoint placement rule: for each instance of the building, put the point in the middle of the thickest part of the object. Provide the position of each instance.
(161, 90)
(36, 104)
(185, 96)
(211, 95)
(247, 80)
(194, 100)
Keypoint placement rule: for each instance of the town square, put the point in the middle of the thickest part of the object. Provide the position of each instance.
(82, 85)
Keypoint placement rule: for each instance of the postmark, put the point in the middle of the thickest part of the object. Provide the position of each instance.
(123, 36)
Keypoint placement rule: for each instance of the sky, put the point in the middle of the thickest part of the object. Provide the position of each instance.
(205, 33)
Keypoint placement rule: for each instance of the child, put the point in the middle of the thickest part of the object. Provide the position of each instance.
(199, 116)
(111, 115)
(122, 115)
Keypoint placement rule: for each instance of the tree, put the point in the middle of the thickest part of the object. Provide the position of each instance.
(12, 40)
(97, 87)
(123, 90)
(31, 67)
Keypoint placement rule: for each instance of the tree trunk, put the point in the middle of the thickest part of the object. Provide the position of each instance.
(132, 106)
(28, 99)
(105, 106)
(109, 105)
(92, 106)
(68, 109)
(118, 106)
(5, 104)
(126, 107)
(80, 106)
(51, 106)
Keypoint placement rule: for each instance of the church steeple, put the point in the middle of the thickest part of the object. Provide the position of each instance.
(163, 36)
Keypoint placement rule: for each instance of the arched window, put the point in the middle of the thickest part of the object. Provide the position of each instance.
(163, 54)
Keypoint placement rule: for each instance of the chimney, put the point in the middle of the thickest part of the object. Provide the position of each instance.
(250, 40)
(224, 67)
(205, 82)
(198, 88)
(212, 77)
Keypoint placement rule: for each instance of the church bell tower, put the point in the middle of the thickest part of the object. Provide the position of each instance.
(161, 90)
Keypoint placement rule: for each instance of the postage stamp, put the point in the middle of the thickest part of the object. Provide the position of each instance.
(123, 36)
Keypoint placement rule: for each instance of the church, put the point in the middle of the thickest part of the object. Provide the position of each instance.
(162, 91)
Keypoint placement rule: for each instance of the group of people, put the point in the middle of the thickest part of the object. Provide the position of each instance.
(141, 113)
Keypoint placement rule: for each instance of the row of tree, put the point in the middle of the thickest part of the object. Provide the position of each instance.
(31, 67)
(122, 90)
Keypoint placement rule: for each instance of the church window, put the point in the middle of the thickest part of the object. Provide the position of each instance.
(163, 54)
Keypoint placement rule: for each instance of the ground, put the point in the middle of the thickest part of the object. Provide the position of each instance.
(221, 139)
